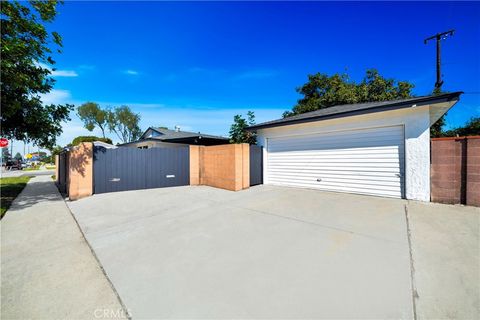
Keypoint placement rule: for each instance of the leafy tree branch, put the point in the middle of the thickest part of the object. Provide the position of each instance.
(238, 132)
(324, 91)
(26, 51)
(124, 123)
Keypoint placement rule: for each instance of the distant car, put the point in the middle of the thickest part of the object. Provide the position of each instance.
(13, 165)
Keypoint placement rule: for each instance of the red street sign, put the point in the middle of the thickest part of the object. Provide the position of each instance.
(3, 142)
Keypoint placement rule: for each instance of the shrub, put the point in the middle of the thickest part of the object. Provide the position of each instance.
(80, 139)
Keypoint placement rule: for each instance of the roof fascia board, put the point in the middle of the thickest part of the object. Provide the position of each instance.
(393, 106)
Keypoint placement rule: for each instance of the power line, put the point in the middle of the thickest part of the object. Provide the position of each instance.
(438, 37)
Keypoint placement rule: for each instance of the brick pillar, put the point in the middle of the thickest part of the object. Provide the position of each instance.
(57, 168)
(194, 165)
(472, 197)
(80, 167)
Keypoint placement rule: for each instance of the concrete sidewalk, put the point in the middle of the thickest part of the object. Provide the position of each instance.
(47, 268)
(446, 258)
(19, 173)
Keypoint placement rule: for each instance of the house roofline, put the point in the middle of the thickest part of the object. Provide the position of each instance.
(138, 141)
(394, 105)
(141, 137)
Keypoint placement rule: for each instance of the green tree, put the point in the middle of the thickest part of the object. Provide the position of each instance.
(56, 150)
(93, 116)
(436, 129)
(18, 156)
(124, 123)
(26, 51)
(471, 128)
(238, 132)
(324, 91)
(5, 154)
(80, 139)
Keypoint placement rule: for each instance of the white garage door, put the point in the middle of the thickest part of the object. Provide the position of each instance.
(367, 161)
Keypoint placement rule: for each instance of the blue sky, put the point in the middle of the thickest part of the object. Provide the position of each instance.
(198, 64)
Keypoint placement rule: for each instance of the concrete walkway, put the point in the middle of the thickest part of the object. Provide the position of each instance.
(47, 268)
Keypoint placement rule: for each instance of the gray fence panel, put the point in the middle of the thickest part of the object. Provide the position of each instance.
(256, 165)
(125, 168)
(62, 172)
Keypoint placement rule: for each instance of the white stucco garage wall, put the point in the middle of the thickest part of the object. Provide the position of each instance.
(416, 121)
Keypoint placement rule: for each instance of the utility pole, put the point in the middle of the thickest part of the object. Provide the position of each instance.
(438, 37)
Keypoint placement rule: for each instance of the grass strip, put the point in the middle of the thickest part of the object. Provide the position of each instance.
(10, 188)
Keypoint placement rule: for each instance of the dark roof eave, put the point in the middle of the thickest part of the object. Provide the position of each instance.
(138, 141)
(196, 137)
(388, 107)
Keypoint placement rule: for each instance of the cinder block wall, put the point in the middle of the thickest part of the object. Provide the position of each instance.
(473, 172)
(57, 168)
(455, 170)
(80, 171)
(194, 165)
(224, 166)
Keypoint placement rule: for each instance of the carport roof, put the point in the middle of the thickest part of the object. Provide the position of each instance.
(347, 110)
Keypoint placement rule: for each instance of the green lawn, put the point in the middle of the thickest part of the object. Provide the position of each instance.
(10, 188)
(50, 167)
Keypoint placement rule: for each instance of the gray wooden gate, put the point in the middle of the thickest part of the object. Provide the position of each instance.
(126, 168)
(256, 165)
(63, 172)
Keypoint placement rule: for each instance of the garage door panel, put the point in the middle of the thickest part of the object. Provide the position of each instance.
(347, 166)
(370, 174)
(347, 150)
(334, 140)
(348, 177)
(359, 140)
(343, 188)
(360, 143)
(321, 160)
(366, 155)
(342, 181)
(338, 152)
(364, 133)
(366, 161)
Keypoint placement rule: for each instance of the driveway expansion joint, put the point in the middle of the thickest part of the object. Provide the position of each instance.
(299, 220)
(415, 295)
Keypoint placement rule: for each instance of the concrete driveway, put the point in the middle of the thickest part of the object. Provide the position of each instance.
(272, 252)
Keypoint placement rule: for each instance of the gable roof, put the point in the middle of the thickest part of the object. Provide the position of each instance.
(347, 110)
(167, 134)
